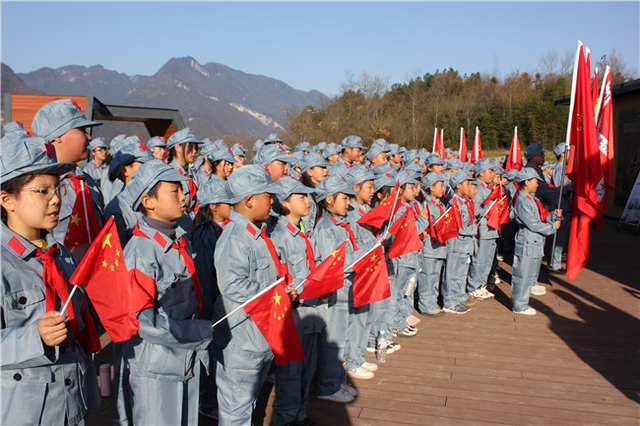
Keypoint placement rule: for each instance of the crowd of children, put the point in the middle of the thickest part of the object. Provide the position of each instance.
(208, 233)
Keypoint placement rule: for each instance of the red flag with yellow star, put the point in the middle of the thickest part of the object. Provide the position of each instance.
(406, 235)
(371, 283)
(83, 226)
(378, 215)
(110, 287)
(271, 312)
(447, 225)
(498, 213)
(327, 277)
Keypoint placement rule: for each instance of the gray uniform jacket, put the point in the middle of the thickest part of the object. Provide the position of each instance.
(191, 200)
(547, 194)
(485, 232)
(124, 216)
(532, 233)
(40, 384)
(170, 340)
(465, 242)
(556, 176)
(365, 234)
(96, 172)
(244, 267)
(309, 220)
(434, 249)
(68, 200)
(292, 250)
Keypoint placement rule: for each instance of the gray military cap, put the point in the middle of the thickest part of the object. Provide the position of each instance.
(214, 191)
(458, 177)
(157, 141)
(312, 159)
(29, 156)
(332, 185)
(58, 117)
(147, 176)
(183, 136)
(527, 173)
(533, 150)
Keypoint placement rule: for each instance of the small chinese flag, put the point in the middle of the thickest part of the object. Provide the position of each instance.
(498, 213)
(83, 226)
(447, 225)
(115, 293)
(406, 235)
(383, 212)
(371, 283)
(271, 312)
(496, 194)
(327, 277)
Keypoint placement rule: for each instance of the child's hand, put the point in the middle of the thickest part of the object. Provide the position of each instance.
(293, 293)
(558, 212)
(52, 328)
(557, 222)
(425, 213)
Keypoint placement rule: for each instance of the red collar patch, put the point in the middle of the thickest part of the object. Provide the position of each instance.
(160, 239)
(17, 246)
(252, 230)
(292, 228)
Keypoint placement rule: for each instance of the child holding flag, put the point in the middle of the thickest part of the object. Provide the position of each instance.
(330, 231)
(459, 249)
(433, 252)
(38, 342)
(293, 247)
(536, 223)
(164, 356)
(246, 263)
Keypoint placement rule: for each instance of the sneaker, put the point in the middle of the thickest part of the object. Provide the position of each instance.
(413, 320)
(538, 290)
(496, 279)
(459, 309)
(394, 332)
(500, 258)
(210, 414)
(412, 328)
(371, 350)
(487, 292)
(347, 387)
(406, 332)
(479, 294)
(393, 347)
(528, 311)
(491, 287)
(434, 313)
(340, 396)
(468, 303)
(370, 366)
(360, 373)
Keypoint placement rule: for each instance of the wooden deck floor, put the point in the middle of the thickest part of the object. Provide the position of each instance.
(575, 363)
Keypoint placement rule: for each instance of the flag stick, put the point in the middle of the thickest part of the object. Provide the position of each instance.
(86, 217)
(395, 201)
(248, 301)
(489, 209)
(64, 308)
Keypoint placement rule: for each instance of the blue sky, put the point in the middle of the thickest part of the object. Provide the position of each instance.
(312, 45)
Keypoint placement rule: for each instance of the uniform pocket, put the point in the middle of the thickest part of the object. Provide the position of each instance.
(25, 305)
(23, 395)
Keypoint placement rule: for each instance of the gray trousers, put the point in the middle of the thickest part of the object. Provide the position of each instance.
(429, 284)
(455, 281)
(481, 264)
(525, 275)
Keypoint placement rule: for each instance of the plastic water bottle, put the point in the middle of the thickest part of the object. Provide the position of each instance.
(381, 349)
(105, 380)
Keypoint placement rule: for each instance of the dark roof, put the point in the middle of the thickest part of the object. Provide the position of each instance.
(624, 89)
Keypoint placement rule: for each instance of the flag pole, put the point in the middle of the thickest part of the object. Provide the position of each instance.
(247, 302)
(395, 201)
(64, 308)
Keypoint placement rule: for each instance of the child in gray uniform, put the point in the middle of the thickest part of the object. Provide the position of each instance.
(536, 223)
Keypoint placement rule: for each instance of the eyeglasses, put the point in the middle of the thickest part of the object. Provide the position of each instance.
(47, 192)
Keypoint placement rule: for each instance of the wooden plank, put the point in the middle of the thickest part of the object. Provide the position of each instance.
(24, 107)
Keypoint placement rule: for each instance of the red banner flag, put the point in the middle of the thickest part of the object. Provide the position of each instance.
(604, 120)
(115, 293)
(462, 152)
(498, 213)
(384, 211)
(327, 277)
(583, 167)
(371, 283)
(441, 146)
(514, 160)
(447, 225)
(83, 226)
(476, 152)
(406, 235)
(271, 312)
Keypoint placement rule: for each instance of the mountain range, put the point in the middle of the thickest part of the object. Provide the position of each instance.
(214, 100)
